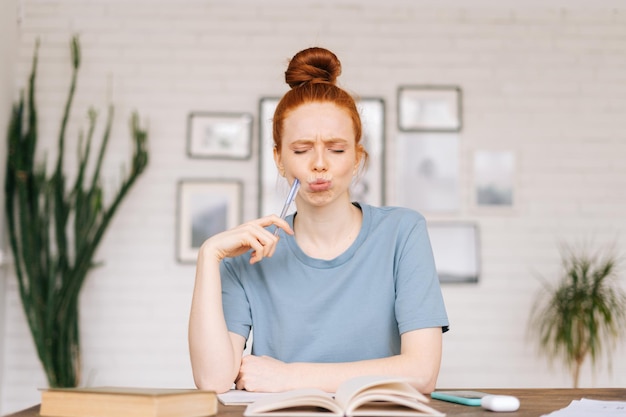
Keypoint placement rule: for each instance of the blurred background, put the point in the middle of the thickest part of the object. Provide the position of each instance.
(542, 106)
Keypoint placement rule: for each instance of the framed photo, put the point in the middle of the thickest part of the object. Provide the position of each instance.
(429, 108)
(273, 189)
(219, 135)
(205, 207)
(456, 248)
(367, 188)
(428, 173)
(494, 178)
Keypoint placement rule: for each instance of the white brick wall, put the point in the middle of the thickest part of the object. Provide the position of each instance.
(8, 46)
(546, 83)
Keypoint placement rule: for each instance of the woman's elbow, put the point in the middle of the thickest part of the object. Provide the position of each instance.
(429, 386)
(425, 382)
(219, 385)
(210, 380)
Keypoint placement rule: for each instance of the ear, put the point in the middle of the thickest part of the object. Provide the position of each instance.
(278, 162)
(360, 155)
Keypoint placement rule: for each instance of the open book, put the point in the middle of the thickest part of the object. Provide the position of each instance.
(360, 396)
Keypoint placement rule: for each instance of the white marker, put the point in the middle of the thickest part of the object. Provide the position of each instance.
(500, 402)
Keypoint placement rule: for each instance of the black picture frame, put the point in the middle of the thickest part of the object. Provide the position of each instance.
(430, 108)
(213, 135)
(205, 207)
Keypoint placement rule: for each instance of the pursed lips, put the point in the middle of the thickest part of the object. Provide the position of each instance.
(319, 184)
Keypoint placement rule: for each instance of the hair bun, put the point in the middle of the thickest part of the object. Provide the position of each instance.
(313, 65)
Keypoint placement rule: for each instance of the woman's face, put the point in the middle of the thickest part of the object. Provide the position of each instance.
(319, 148)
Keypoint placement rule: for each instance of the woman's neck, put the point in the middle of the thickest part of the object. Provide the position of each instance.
(326, 232)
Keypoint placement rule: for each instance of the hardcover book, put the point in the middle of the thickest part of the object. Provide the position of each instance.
(127, 402)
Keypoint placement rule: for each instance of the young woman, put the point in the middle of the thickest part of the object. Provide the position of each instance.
(345, 289)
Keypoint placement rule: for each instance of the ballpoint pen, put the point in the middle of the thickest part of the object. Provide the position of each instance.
(288, 201)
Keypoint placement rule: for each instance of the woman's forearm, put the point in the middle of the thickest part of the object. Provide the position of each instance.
(419, 361)
(328, 376)
(214, 359)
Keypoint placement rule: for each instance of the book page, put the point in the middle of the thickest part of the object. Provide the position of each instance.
(389, 405)
(241, 397)
(373, 395)
(300, 402)
(382, 384)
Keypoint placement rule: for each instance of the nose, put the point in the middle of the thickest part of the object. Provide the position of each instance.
(319, 160)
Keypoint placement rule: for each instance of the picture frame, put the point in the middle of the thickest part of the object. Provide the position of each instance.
(428, 172)
(494, 179)
(456, 249)
(205, 207)
(370, 187)
(272, 189)
(429, 108)
(367, 188)
(219, 135)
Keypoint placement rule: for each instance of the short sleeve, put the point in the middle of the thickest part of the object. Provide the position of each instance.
(234, 300)
(419, 302)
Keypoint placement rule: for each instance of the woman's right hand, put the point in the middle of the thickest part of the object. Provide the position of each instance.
(251, 235)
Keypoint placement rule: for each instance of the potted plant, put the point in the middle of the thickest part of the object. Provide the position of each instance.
(55, 225)
(584, 314)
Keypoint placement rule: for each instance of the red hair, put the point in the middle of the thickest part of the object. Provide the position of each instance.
(312, 74)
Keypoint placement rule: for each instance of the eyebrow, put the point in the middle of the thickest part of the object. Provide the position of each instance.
(333, 141)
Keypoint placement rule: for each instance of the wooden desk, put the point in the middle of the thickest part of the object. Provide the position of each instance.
(534, 402)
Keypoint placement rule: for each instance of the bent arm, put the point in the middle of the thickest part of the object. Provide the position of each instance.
(215, 353)
(419, 360)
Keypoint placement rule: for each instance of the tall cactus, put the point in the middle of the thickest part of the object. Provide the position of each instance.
(55, 229)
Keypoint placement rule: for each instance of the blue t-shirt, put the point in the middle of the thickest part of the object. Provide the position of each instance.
(350, 308)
